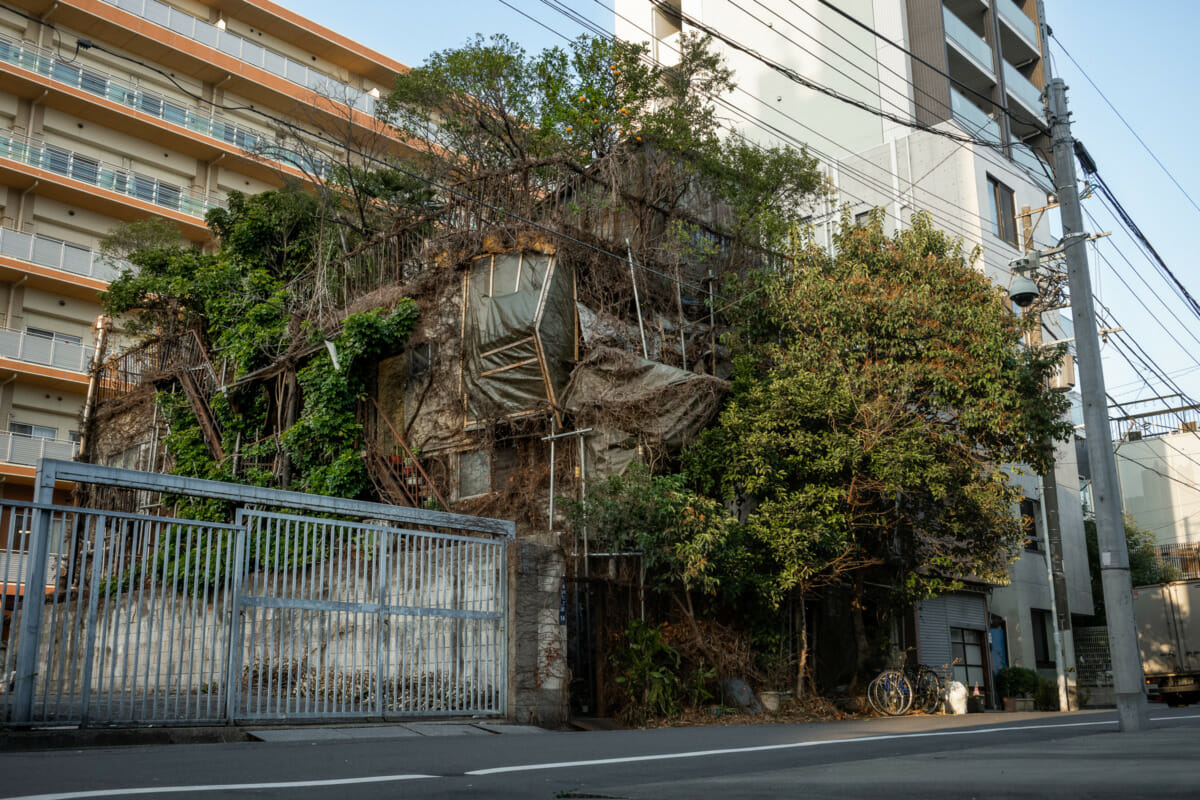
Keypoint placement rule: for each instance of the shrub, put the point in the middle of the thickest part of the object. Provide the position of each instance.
(1046, 698)
(1017, 682)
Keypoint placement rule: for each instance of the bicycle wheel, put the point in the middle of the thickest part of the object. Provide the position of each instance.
(892, 694)
(928, 691)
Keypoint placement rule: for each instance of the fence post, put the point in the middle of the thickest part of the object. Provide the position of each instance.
(233, 656)
(32, 600)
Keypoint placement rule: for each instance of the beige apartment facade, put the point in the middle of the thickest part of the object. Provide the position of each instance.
(116, 111)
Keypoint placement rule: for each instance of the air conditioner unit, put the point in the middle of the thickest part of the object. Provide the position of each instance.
(1133, 436)
(1063, 379)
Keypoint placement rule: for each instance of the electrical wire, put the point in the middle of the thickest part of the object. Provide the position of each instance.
(1124, 121)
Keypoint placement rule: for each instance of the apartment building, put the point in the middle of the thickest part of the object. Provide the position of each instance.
(1158, 463)
(119, 110)
(932, 105)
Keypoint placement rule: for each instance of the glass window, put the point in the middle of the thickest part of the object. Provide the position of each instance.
(33, 431)
(1031, 515)
(474, 473)
(1002, 205)
(967, 648)
(1040, 621)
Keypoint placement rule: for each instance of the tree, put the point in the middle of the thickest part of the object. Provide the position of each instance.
(601, 109)
(881, 395)
(1145, 568)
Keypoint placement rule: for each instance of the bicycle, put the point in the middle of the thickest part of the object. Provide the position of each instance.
(891, 693)
(928, 687)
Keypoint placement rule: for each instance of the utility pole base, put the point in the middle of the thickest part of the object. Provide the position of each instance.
(1133, 712)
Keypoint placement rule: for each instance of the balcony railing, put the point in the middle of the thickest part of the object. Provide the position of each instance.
(251, 52)
(56, 254)
(107, 176)
(974, 119)
(45, 62)
(19, 448)
(1023, 89)
(1016, 19)
(968, 40)
(47, 351)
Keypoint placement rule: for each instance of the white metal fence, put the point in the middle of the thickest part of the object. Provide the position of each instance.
(134, 619)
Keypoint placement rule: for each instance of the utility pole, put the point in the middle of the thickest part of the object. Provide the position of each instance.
(1064, 646)
(1128, 679)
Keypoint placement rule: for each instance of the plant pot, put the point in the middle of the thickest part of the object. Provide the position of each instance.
(1010, 704)
(772, 700)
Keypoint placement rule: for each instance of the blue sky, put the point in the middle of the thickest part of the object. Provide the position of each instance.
(1140, 55)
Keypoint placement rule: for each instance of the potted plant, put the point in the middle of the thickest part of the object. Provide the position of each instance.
(1017, 685)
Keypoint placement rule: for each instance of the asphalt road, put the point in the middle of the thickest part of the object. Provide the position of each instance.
(993, 755)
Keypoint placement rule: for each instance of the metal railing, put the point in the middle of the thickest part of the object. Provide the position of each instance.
(20, 448)
(45, 62)
(47, 351)
(95, 172)
(971, 42)
(141, 619)
(251, 52)
(1181, 561)
(57, 254)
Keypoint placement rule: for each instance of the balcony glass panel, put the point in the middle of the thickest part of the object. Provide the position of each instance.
(144, 101)
(18, 448)
(1023, 89)
(962, 35)
(236, 46)
(973, 119)
(1016, 18)
(57, 159)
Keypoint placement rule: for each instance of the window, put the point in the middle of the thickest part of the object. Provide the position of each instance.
(474, 473)
(1040, 621)
(1002, 205)
(967, 648)
(862, 219)
(1031, 513)
(33, 431)
(54, 336)
(420, 358)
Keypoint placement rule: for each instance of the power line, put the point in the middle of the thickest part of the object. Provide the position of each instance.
(951, 222)
(999, 106)
(1124, 121)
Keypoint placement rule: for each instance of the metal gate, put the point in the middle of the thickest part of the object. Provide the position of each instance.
(121, 618)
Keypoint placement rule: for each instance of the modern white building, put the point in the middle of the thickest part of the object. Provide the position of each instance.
(914, 105)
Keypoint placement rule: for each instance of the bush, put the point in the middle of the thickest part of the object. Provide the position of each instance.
(1017, 682)
(1046, 698)
(648, 670)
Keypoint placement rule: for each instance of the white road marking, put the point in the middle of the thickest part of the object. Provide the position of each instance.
(230, 787)
(226, 787)
(792, 746)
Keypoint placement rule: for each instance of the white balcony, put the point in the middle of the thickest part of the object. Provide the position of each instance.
(17, 448)
(968, 54)
(56, 254)
(48, 351)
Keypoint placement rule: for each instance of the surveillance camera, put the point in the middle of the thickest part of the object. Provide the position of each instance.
(1023, 291)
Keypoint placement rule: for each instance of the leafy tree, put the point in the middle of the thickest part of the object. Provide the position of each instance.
(1145, 568)
(880, 396)
(600, 108)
